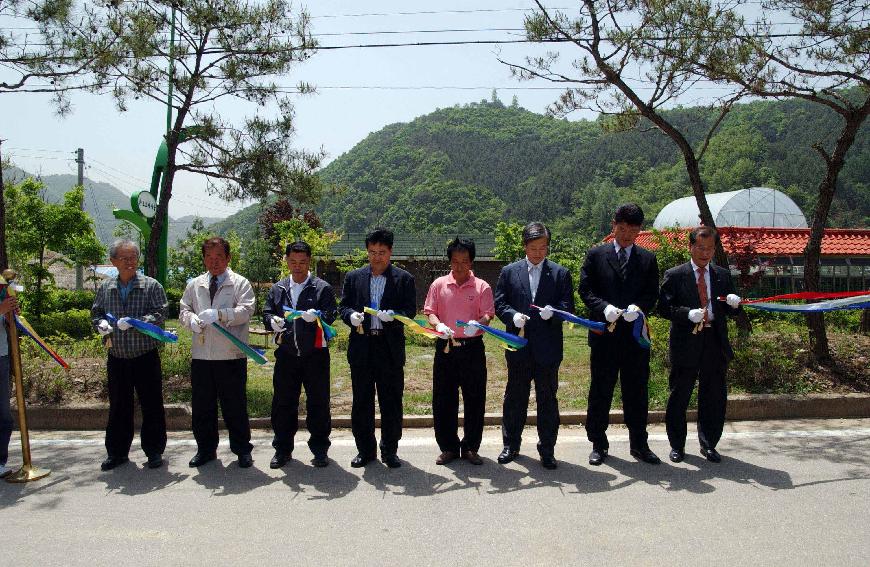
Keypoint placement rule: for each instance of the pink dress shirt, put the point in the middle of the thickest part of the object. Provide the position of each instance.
(450, 301)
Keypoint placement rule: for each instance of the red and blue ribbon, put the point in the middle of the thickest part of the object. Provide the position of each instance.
(512, 341)
(325, 331)
(25, 328)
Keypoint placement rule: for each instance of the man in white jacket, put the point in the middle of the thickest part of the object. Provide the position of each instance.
(218, 369)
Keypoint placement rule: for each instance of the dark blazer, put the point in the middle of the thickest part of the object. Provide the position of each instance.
(399, 295)
(601, 284)
(679, 295)
(298, 337)
(513, 294)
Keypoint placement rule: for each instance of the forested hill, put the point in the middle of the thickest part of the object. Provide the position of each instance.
(463, 169)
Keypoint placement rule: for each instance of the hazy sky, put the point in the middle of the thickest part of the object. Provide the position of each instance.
(120, 147)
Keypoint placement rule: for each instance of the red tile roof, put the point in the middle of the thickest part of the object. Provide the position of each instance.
(773, 241)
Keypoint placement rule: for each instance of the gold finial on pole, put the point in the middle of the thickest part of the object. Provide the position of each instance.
(27, 472)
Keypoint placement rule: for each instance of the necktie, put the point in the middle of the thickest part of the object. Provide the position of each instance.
(702, 291)
(622, 256)
(212, 288)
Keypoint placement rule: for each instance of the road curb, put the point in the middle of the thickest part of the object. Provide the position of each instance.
(741, 407)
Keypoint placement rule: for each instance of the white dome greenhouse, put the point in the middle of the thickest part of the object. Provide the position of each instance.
(755, 206)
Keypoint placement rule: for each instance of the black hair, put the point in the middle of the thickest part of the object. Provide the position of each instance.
(216, 241)
(380, 235)
(534, 231)
(298, 246)
(460, 244)
(629, 213)
(702, 232)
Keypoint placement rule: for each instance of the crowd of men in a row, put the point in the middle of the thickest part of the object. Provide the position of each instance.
(619, 282)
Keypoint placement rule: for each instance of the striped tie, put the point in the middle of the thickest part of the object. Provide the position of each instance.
(622, 256)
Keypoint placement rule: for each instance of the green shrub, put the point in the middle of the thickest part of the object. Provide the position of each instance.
(173, 296)
(76, 323)
(66, 299)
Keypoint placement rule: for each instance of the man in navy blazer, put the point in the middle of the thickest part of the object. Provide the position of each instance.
(699, 346)
(376, 349)
(533, 280)
(618, 279)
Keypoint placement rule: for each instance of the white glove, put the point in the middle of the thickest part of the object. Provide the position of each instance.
(470, 330)
(356, 318)
(309, 316)
(209, 316)
(546, 312)
(278, 323)
(612, 313)
(104, 328)
(124, 323)
(196, 323)
(444, 330)
(386, 316)
(733, 300)
(631, 313)
(696, 315)
(520, 320)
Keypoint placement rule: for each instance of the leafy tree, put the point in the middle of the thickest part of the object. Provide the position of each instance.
(185, 258)
(225, 51)
(36, 227)
(508, 242)
(827, 64)
(321, 241)
(615, 38)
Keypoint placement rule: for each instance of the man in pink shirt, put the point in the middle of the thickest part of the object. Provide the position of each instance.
(460, 359)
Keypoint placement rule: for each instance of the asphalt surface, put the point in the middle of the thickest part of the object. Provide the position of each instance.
(786, 493)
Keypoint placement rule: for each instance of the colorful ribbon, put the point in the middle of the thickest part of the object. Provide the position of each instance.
(413, 324)
(640, 331)
(147, 329)
(849, 302)
(25, 328)
(254, 354)
(567, 316)
(806, 295)
(325, 331)
(513, 342)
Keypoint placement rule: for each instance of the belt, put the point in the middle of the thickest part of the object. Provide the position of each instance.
(459, 343)
(376, 332)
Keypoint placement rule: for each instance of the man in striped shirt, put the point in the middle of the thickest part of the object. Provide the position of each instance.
(133, 361)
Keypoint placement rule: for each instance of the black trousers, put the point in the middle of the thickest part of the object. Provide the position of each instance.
(712, 395)
(140, 374)
(220, 380)
(462, 368)
(516, 404)
(618, 358)
(292, 373)
(379, 375)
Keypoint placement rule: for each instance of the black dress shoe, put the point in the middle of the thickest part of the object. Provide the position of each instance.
(507, 455)
(597, 456)
(155, 461)
(361, 460)
(645, 455)
(280, 459)
(112, 462)
(246, 461)
(712, 455)
(201, 458)
(320, 461)
(548, 462)
(391, 461)
(677, 455)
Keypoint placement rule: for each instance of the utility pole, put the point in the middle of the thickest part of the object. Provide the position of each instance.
(80, 159)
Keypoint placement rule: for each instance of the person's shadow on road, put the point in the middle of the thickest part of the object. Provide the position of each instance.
(407, 480)
(133, 479)
(314, 483)
(226, 479)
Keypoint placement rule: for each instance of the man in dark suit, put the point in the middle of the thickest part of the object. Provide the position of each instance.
(533, 280)
(619, 279)
(302, 356)
(699, 346)
(376, 350)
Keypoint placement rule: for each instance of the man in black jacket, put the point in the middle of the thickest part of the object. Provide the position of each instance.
(376, 349)
(533, 280)
(618, 280)
(699, 346)
(302, 356)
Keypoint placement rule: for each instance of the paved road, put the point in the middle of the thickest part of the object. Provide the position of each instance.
(787, 493)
